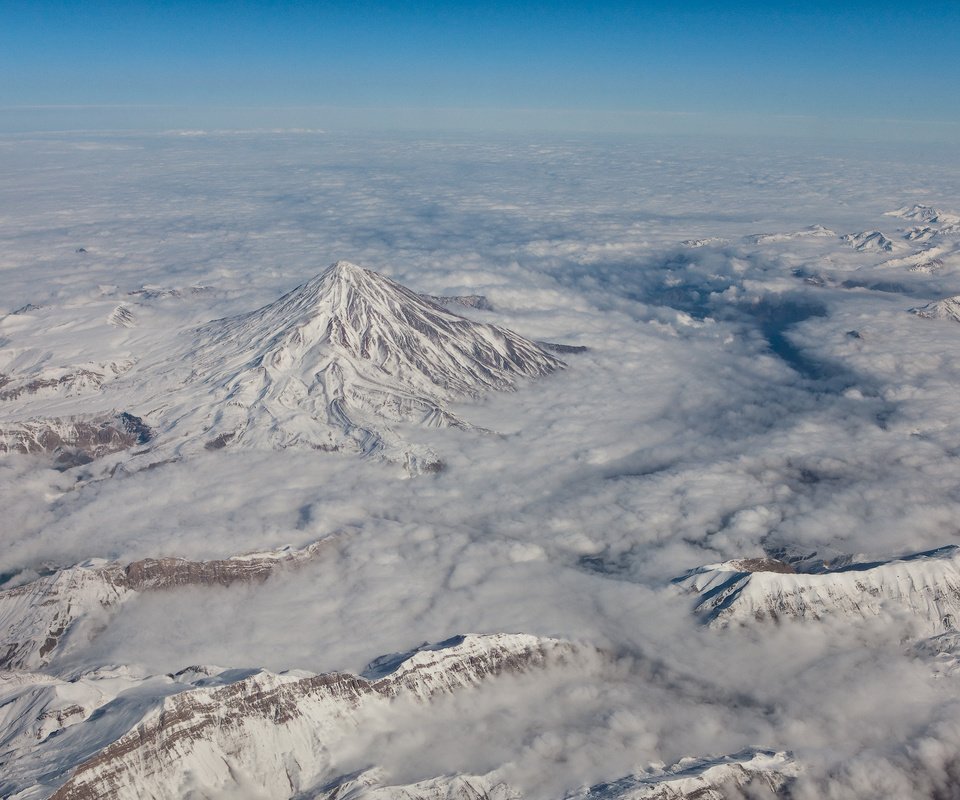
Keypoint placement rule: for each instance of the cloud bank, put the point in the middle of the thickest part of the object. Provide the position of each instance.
(756, 394)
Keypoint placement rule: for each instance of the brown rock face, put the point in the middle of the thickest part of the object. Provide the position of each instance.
(36, 616)
(20, 388)
(150, 574)
(76, 440)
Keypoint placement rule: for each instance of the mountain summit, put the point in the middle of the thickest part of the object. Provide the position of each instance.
(330, 364)
(351, 313)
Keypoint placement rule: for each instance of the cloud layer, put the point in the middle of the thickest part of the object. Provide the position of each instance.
(724, 409)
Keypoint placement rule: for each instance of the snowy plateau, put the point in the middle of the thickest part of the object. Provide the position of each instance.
(497, 468)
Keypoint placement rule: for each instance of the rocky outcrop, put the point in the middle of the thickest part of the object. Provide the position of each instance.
(477, 301)
(73, 441)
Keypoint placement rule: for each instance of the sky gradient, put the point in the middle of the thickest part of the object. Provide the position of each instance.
(562, 65)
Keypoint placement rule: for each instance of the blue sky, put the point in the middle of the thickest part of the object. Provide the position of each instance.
(845, 62)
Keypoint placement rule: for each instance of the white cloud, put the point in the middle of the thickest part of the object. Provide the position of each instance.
(697, 427)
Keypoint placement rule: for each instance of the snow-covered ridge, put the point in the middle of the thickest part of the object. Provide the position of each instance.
(812, 232)
(868, 241)
(71, 381)
(369, 785)
(942, 652)
(929, 222)
(925, 215)
(922, 588)
(331, 364)
(122, 317)
(948, 308)
(273, 731)
(149, 292)
(705, 242)
(764, 772)
(34, 705)
(39, 618)
(760, 773)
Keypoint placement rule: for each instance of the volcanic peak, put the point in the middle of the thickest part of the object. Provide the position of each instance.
(348, 312)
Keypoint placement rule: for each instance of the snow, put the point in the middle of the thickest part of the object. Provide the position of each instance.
(702, 778)
(331, 364)
(923, 588)
(43, 619)
(925, 215)
(710, 779)
(869, 241)
(946, 309)
(263, 730)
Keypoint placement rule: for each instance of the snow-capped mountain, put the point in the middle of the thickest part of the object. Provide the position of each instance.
(868, 241)
(369, 785)
(926, 215)
(708, 241)
(921, 588)
(256, 731)
(928, 222)
(40, 618)
(211, 732)
(948, 308)
(72, 381)
(331, 364)
(811, 232)
(753, 772)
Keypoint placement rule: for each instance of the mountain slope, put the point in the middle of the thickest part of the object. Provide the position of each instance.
(923, 588)
(34, 705)
(75, 440)
(868, 241)
(38, 618)
(754, 772)
(947, 308)
(925, 214)
(266, 732)
(331, 364)
(750, 773)
(69, 381)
